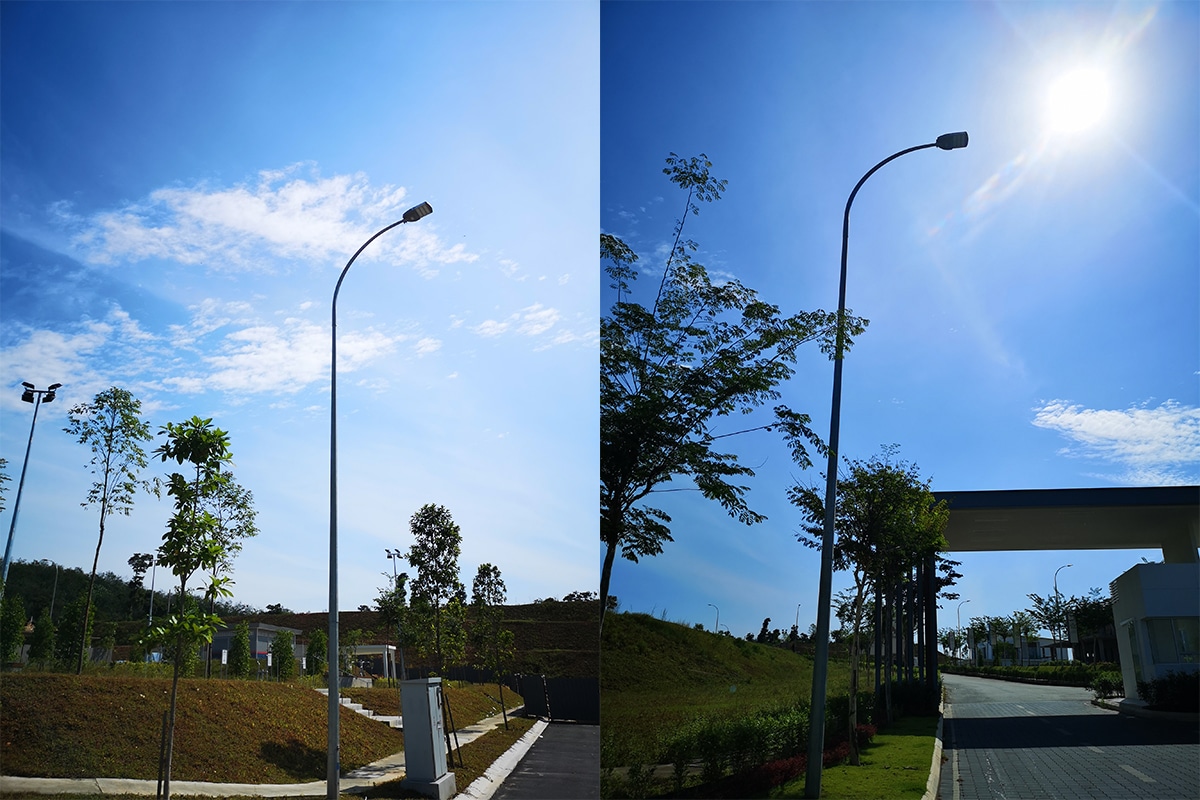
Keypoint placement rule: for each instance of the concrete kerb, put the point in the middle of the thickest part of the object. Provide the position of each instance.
(483, 787)
(935, 768)
(381, 771)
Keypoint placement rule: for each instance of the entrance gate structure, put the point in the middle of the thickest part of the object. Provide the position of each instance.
(1156, 607)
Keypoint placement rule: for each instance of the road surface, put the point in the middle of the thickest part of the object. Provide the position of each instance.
(1019, 741)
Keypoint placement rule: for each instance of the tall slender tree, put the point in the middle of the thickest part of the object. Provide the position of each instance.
(493, 644)
(190, 544)
(434, 554)
(887, 522)
(111, 428)
(695, 351)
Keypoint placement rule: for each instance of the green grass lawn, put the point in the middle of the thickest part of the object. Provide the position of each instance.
(895, 766)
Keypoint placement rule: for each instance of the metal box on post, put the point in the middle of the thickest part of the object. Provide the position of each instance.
(425, 739)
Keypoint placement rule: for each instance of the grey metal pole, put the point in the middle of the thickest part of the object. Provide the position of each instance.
(816, 728)
(1057, 606)
(12, 525)
(717, 629)
(332, 756)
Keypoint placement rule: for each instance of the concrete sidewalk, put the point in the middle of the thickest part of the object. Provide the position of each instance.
(381, 771)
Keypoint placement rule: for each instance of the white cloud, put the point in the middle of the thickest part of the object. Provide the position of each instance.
(1154, 445)
(491, 327)
(427, 345)
(249, 226)
(536, 320)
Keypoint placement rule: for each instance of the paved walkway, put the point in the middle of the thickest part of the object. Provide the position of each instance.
(564, 764)
(386, 769)
(1017, 741)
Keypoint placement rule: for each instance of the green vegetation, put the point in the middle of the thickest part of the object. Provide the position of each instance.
(55, 725)
(1176, 691)
(469, 702)
(657, 677)
(1059, 673)
(478, 756)
(894, 766)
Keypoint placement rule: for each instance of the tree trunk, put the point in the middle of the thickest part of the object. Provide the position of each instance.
(610, 554)
(87, 609)
(179, 645)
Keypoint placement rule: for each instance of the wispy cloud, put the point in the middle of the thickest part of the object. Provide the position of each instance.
(251, 226)
(1153, 446)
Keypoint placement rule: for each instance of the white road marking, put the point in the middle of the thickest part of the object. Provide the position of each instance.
(1094, 749)
(1139, 775)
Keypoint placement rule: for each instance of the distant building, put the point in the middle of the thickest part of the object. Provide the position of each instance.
(262, 636)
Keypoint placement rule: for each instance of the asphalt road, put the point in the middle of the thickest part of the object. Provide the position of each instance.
(1018, 741)
(564, 764)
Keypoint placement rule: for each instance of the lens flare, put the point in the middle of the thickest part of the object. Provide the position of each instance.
(1078, 100)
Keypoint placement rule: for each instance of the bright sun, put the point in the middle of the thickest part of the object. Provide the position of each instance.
(1078, 100)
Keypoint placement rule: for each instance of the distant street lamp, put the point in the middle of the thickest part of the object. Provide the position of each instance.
(816, 735)
(396, 555)
(332, 765)
(37, 397)
(717, 627)
(957, 628)
(1057, 607)
(797, 625)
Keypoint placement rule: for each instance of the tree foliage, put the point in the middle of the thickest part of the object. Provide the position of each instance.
(316, 655)
(191, 543)
(111, 427)
(12, 627)
(438, 607)
(241, 660)
(283, 655)
(492, 643)
(670, 370)
(886, 523)
(41, 644)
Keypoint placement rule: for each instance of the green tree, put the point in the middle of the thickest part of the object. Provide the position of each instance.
(41, 644)
(315, 654)
(493, 644)
(12, 627)
(241, 660)
(1024, 628)
(672, 368)
(1051, 614)
(392, 605)
(886, 522)
(437, 544)
(140, 563)
(232, 506)
(190, 544)
(69, 648)
(111, 427)
(283, 655)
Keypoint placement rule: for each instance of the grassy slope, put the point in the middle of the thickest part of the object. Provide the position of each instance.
(230, 731)
(656, 675)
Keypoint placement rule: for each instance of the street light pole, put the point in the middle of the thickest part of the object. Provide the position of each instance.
(1057, 607)
(958, 626)
(394, 555)
(332, 765)
(37, 397)
(717, 627)
(816, 735)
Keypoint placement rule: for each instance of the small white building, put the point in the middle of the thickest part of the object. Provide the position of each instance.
(1156, 608)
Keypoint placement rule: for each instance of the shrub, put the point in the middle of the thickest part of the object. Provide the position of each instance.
(1176, 691)
(1108, 684)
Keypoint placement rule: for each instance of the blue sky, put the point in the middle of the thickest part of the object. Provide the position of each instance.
(1034, 298)
(180, 186)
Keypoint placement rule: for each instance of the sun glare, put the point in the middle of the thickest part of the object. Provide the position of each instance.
(1077, 100)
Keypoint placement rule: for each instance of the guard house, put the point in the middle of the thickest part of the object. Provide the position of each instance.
(1156, 607)
(262, 636)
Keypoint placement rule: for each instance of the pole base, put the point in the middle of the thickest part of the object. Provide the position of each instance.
(443, 788)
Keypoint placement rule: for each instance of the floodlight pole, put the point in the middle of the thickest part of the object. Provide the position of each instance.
(35, 396)
(816, 728)
(332, 760)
